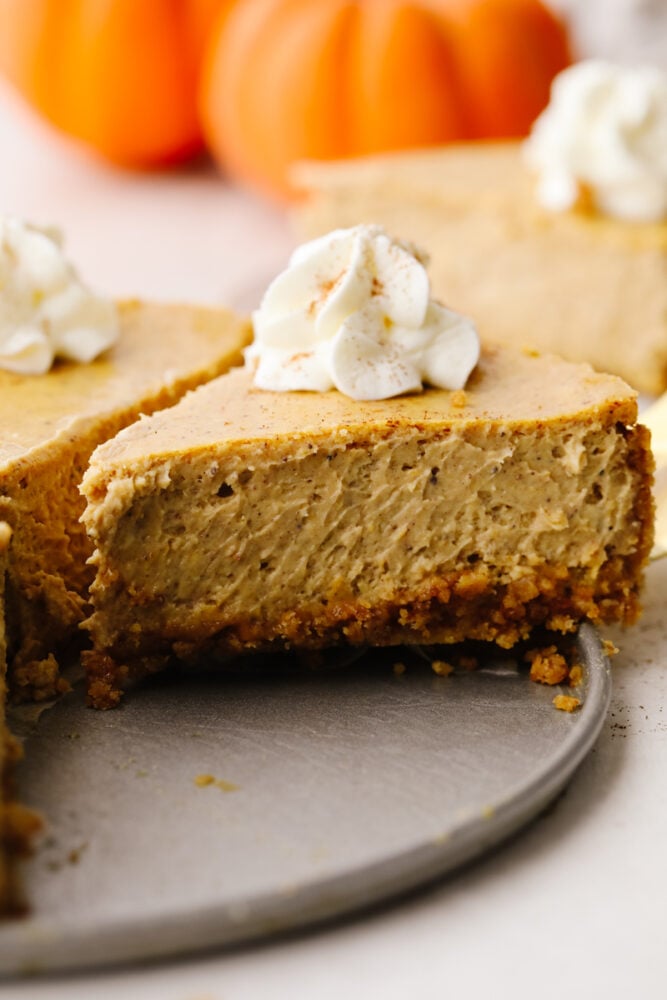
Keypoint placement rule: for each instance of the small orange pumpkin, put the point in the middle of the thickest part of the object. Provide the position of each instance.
(121, 75)
(292, 79)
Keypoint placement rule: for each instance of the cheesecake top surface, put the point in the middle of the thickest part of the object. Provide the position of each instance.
(508, 387)
(485, 169)
(484, 176)
(158, 346)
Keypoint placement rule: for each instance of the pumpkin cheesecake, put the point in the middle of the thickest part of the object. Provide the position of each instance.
(573, 279)
(578, 284)
(245, 520)
(251, 516)
(52, 424)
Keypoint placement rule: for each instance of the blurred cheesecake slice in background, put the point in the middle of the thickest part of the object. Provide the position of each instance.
(582, 285)
(549, 244)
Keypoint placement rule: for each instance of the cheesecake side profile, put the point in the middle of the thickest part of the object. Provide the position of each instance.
(244, 519)
(578, 283)
(52, 424)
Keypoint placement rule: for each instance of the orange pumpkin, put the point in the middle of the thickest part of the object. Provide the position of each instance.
(292, 79)
(121, 75)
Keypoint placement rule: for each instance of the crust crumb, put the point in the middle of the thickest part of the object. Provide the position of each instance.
(105, 679)
(547, 665)
(562, 623)
(226, 786)
(38, 680)
(576, 675)
(609, 648)
(459, 399)
(566, 702)
(202, 780)
(206, 780)
(442, 668)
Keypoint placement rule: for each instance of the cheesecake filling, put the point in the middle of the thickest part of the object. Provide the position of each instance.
(603, 139)
(434, 533)
(46, 312)
(353, 311)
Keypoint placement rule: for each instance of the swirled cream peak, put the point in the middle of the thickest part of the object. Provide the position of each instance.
(45, 310)
(353, 311)
(604, 134)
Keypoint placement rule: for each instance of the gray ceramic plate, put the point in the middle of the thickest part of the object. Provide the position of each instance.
(331, 791)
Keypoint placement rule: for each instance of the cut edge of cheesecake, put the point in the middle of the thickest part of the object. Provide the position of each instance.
(273, 520)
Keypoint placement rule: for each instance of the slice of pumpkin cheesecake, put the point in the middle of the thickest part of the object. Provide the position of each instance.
(571, 282)
(52, 424)
(255, 518)
(75, 367)
(558, 244)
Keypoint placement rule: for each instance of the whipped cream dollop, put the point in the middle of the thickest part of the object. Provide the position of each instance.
(353, 311)
(604, 134)
(45, 310)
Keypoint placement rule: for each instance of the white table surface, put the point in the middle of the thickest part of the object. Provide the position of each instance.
(577, 904)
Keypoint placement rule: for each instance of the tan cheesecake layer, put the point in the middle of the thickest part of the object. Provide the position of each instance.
(587, 287)
(243, 519)
(51, 424)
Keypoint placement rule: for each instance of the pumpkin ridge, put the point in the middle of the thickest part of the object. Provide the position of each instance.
(241, 111)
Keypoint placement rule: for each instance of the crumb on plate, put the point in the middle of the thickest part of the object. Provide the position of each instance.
(576, 675)
(547, 665)
(566, 702)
